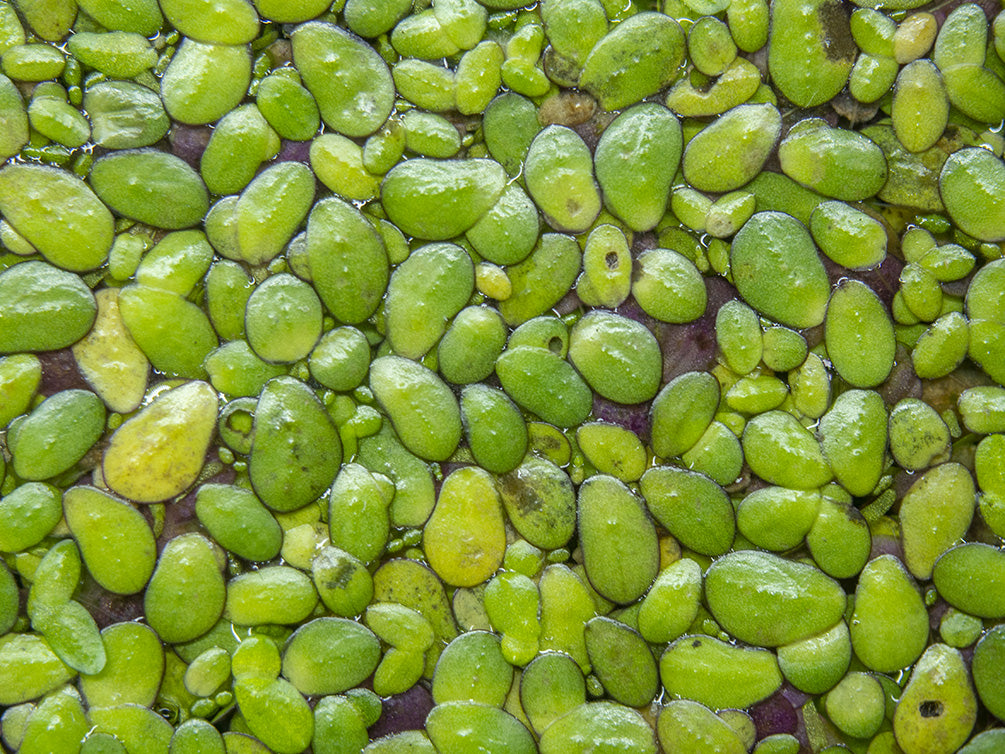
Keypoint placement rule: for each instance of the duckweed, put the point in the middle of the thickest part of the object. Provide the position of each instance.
(476, 375)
